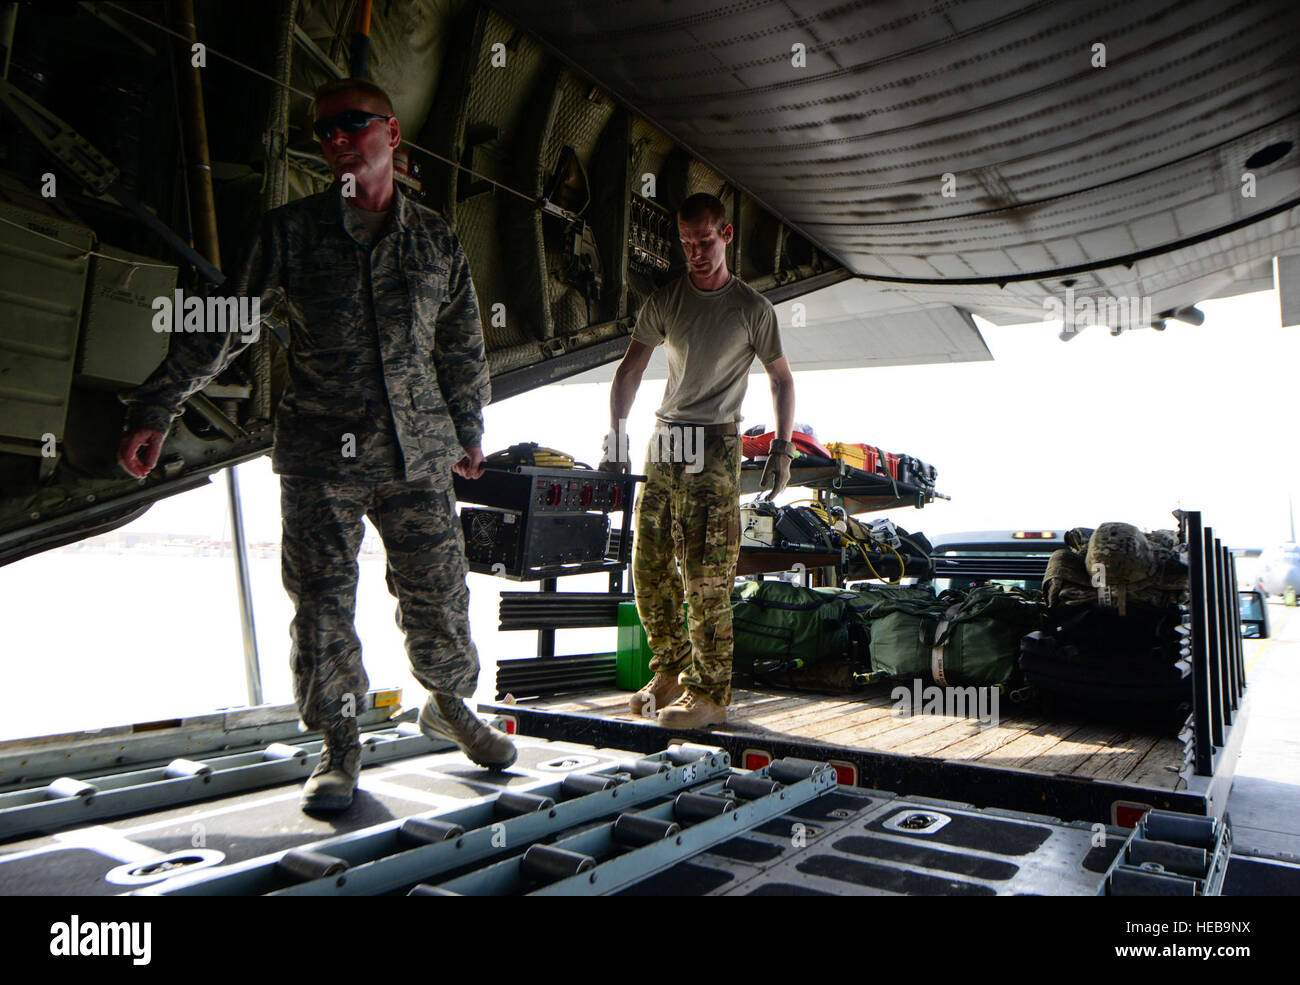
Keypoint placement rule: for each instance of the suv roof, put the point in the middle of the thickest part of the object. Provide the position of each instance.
(1041, 540)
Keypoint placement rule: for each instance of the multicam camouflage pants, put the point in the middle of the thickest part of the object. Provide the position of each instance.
(426, 573)
(688, 542)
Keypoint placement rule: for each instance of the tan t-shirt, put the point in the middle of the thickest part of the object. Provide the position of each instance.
(372, 223)
(711, 338)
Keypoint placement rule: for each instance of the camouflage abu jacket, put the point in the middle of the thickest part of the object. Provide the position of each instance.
(387, 374)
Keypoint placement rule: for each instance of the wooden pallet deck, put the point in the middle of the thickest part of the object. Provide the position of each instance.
(1019, 740)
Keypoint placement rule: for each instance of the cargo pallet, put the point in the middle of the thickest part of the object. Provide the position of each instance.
(1067, 766)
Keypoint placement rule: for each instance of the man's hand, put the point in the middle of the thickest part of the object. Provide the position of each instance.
(471, 465)
(615, 456)
(777, 470)
(138, 451)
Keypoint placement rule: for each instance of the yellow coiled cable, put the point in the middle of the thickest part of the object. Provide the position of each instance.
(820, 512)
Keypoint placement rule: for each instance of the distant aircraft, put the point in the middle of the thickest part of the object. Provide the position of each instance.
(1280, 566)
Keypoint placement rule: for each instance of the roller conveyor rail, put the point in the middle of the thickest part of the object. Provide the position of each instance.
(1172, 855)
(418, 850)
(635, 846)
(28, 762)
(66, 800)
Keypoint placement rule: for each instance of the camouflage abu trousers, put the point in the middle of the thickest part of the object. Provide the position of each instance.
(426, 573)
(687, 545)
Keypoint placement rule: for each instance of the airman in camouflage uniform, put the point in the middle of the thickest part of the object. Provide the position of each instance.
(387, 381)
(687, 517)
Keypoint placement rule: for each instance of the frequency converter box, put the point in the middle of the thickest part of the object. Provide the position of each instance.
(512, 544)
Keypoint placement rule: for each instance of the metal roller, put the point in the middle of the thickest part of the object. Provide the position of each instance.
(792, 770)
(548, 864)
(66, 786)
(306, 865)
(1197, 832)
(635, 830)
(178, 768)
(689, 752)
(690, 807)
(643, 767)
(1179, 859)
(427, 830)
(1140, 882)
(407, 729)
(283, 751)
(424, 889)
(512, 804)
(750, 787)
(580, 784)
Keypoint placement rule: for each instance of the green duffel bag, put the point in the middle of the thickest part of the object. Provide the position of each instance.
(776, 623)
(863, 599)
(866, 597)
(958, 638)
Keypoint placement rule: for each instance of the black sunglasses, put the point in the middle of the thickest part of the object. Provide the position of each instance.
(350, 121)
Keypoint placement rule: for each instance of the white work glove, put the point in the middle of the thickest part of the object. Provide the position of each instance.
(776, 472)
(614, 458)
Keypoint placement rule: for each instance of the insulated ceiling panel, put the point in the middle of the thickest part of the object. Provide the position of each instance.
(966, 140)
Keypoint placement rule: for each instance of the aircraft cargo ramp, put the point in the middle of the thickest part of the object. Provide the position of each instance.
(570, 819)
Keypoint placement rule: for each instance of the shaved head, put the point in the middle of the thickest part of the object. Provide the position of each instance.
(377, 100)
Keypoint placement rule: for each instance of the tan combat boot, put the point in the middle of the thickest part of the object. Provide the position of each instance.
(444, 716)
(692, 710)
(662, 691)
(332, 783)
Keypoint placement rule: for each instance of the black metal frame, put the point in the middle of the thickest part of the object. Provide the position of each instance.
(842, 481)
(559, 610)
(545, 611)
(556, 675)
(1214, 648)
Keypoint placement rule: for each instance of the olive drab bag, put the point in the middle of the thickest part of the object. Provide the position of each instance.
(775, 623)
(865, 597)
(956, 638)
